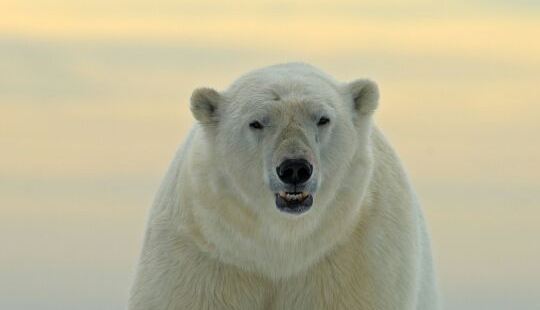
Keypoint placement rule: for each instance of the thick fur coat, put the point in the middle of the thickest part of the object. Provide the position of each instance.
(217, 239)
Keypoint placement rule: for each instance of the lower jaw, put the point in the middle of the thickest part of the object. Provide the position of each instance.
(295, 207)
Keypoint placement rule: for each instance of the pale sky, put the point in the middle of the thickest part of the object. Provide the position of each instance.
(94, 101)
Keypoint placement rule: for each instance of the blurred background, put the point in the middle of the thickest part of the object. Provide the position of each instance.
(94, 101)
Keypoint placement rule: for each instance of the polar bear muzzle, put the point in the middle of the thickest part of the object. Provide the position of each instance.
(294, 202)
(294, 171)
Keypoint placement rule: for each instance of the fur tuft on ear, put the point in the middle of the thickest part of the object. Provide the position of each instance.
(205, 105)
(365, 95)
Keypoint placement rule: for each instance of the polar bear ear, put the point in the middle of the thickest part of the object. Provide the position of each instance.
(205, 105)
(365, 95)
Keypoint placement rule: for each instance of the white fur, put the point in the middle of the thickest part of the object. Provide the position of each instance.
(215, 239)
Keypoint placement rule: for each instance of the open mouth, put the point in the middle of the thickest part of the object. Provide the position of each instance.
(294, 202)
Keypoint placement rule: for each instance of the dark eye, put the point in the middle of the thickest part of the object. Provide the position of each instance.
(323, 121)
(256, 125)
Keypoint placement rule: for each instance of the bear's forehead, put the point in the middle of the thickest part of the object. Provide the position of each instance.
(282, 87)
(287, 89)
(284, 97)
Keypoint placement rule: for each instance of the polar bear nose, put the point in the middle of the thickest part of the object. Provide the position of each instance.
(294, 171)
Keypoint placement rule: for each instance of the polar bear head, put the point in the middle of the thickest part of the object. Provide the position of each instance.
(283, 138)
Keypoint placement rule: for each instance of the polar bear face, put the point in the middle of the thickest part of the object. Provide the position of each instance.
(283, 137)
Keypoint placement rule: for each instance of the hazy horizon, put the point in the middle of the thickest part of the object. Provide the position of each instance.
(94, 102)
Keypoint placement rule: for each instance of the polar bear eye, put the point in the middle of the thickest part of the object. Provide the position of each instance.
(323, 121)
(256, 125)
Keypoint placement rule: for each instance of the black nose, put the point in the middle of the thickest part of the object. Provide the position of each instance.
(294, 171)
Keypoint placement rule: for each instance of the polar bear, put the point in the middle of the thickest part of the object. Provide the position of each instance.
(285, 196)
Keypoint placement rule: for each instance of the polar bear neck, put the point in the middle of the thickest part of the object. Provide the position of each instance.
(231, 232)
